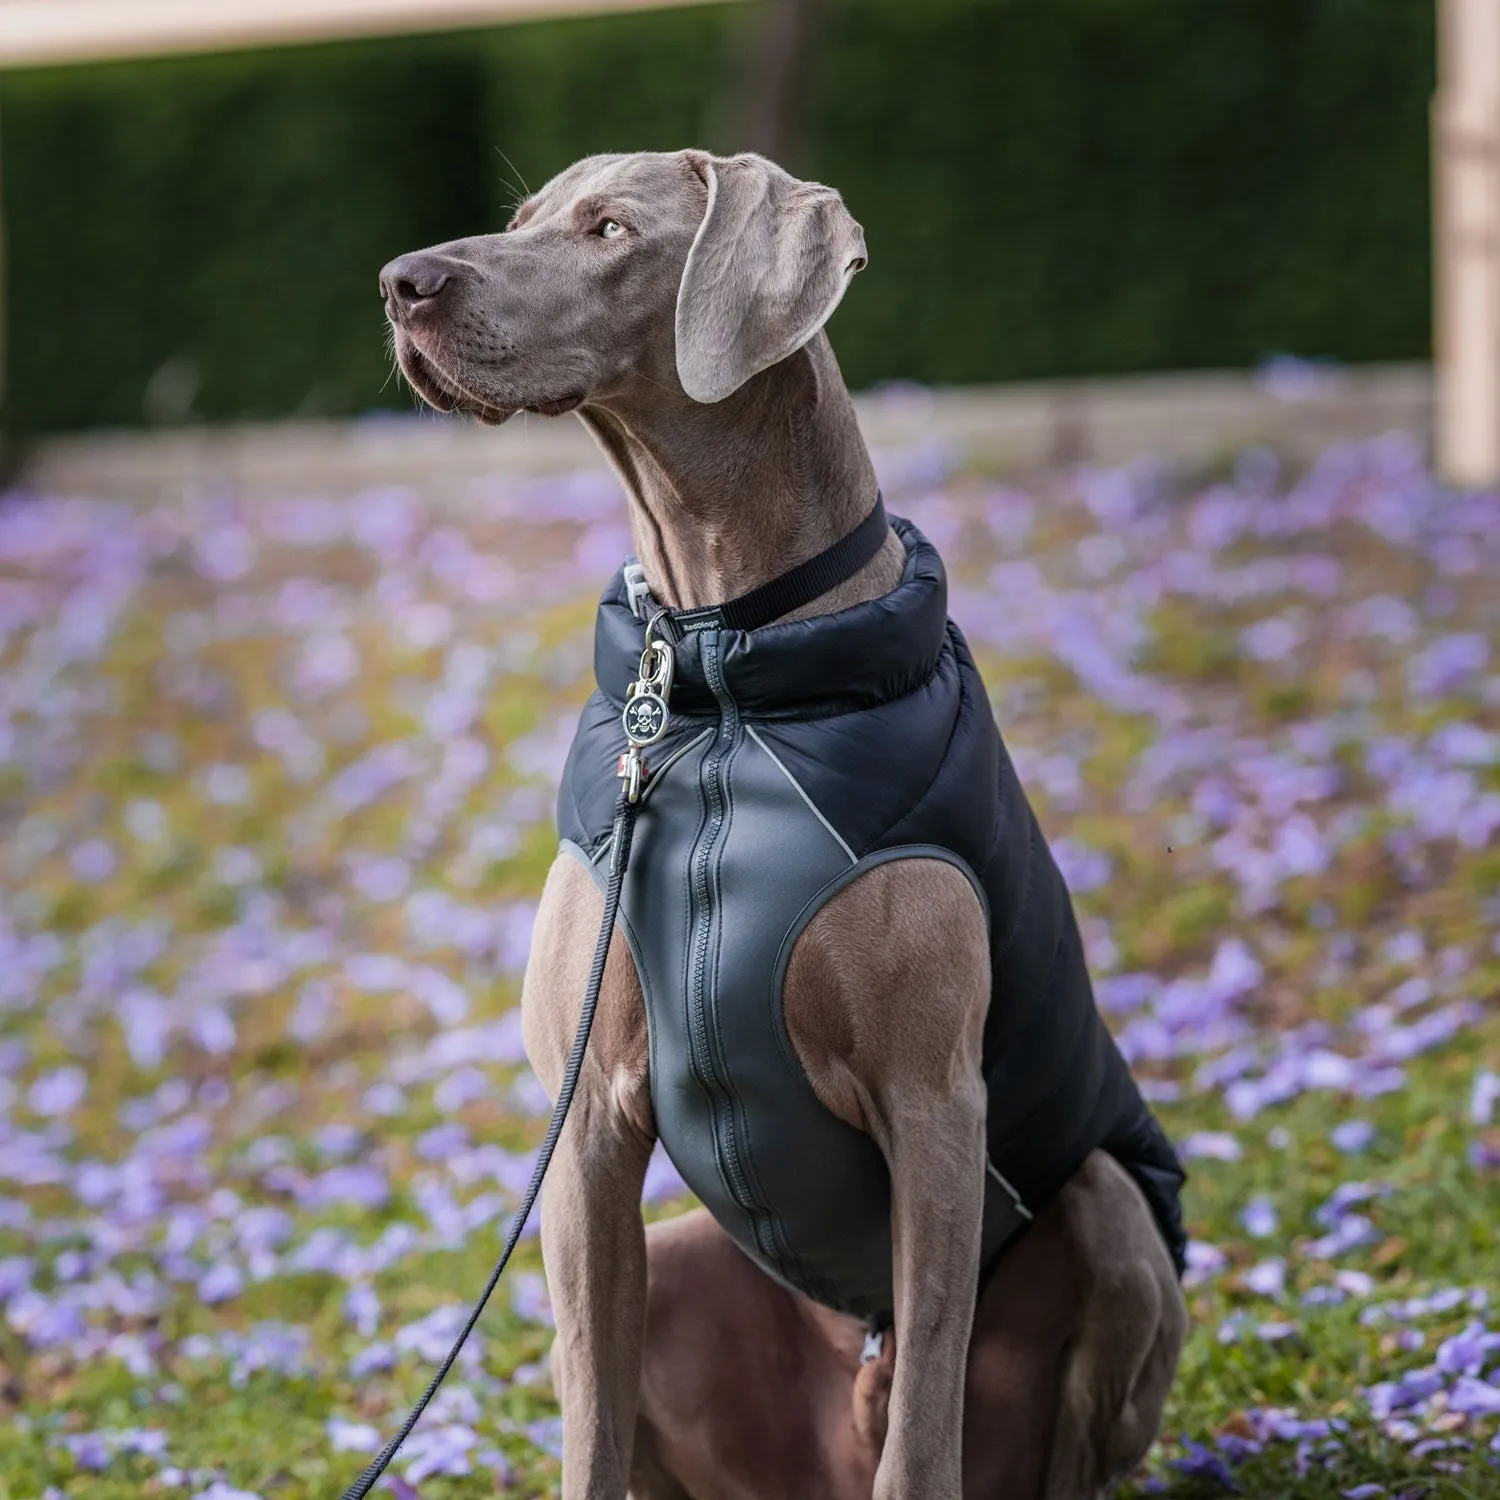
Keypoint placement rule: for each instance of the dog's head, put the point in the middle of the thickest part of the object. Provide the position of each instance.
(679, 271)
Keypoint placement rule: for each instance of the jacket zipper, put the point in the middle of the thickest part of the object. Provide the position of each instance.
(705, 1065)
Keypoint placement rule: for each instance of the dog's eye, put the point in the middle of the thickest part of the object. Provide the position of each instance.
(610, 229)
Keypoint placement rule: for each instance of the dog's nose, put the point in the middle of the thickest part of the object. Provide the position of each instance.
(415, 282)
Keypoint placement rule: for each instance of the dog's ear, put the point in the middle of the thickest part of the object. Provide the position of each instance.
(767, 268)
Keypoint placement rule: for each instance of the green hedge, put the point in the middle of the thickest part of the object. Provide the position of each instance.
(1048, 187)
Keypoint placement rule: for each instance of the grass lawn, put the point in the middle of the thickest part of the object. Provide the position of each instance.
(275, 805)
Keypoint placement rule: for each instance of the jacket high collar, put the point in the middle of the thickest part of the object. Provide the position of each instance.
(856, 658)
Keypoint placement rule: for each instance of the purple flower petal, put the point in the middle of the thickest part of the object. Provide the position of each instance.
(1214, 1145)
(1474, 1397)
(1353, 1136)
(1259, 1218)
(221, 1283)
(58, 1092)
(1268, 1279)
(351, 1437)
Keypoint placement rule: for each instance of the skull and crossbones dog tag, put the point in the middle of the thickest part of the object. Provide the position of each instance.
(645, 716)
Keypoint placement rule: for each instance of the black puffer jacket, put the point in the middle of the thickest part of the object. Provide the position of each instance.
(798, 756)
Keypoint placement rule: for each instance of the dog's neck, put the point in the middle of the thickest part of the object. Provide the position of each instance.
(724, 498)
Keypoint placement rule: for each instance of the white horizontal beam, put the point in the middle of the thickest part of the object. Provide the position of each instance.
(39, 32)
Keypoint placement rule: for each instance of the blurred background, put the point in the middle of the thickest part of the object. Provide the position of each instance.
(288, 670)
(1083, 187)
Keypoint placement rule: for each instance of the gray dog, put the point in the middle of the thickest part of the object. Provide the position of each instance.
(847, 990)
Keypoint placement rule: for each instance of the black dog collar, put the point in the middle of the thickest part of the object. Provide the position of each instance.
(789, 591)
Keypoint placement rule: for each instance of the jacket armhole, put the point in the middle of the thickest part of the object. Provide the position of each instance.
(822, 897)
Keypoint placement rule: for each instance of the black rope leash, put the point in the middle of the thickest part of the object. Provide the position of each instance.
(624, 829)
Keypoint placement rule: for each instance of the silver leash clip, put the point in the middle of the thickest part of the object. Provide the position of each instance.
(633, 773)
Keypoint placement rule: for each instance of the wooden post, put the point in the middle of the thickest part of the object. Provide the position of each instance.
(1466, 248)
(4, 324)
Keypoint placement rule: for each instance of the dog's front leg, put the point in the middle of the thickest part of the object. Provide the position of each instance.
(887, 994)
(593, 1240)
(934, 1131)
(594, 1245)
